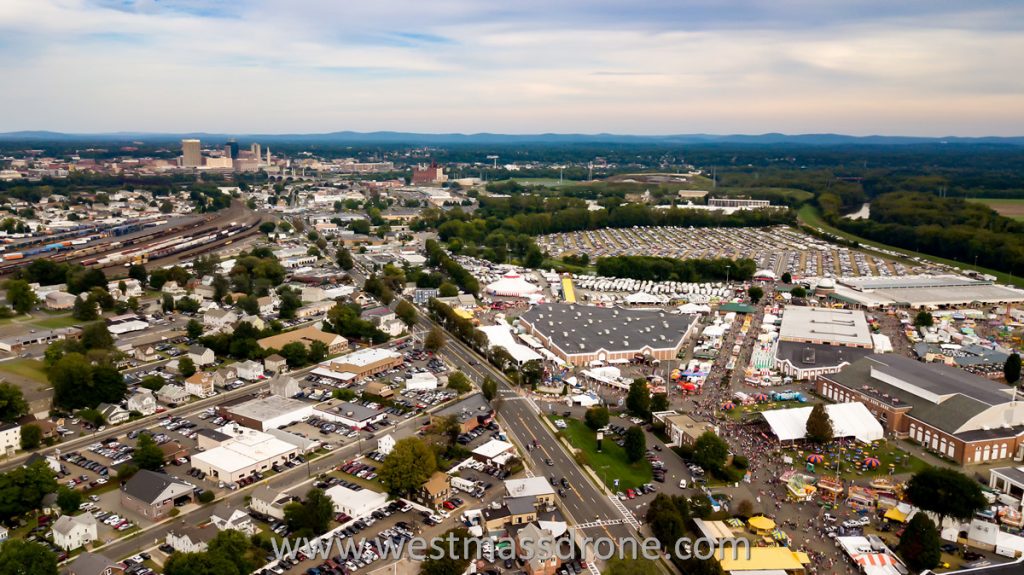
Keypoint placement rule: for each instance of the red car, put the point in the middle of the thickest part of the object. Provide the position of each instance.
(630, 493)
(449, 505)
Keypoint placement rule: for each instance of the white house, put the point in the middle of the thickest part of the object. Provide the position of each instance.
(355, 503)
(172, 393)
(226, 517)
(142, 401)
(421, 381)
(113, 414)
(190, 539)
(73, 531)
(386, 444)
(284, 386)
(249, 370)
(268, 501)
(268, 305)
(201, 355)
(219, 318)
(10, 437)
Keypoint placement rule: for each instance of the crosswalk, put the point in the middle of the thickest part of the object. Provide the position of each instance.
(598, 523)
(626, 514)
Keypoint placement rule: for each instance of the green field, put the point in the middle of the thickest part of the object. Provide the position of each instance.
(765, 193)
(610, 464)
(28, 368)
(809, 215)
(55, 321)
(549, 182)
(1011, 208)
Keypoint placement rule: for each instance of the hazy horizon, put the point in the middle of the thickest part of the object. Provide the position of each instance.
(646, 68)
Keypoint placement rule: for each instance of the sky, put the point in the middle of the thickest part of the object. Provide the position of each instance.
(892, 67)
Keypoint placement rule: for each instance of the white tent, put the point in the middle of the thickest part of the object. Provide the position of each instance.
(512, 285)
(644, 298)
(848, 420)
(691, 307)
(500, 335)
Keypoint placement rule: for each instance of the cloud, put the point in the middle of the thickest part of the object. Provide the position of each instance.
(649, 66)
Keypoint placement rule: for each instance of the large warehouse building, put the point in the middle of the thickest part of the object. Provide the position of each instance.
(814, 341)
(921, 292)
(268, 412)
(966, 417)
(581, 334)
(243, 453)
(365, 363)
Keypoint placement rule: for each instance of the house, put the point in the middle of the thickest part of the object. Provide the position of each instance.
(268, 305)
(226, 516)
(219, 318)
(356, 502)
(10, 437)
(125, 288)
(436, 490)
(172, 393)
(4, 533)
(200, 384)
(146, 353)
(253, 320)
(380, 389)
(306, 335)
(385, 320)
(274, 363)
(190, 539)
(269, 502)
(59, 300)
(284, 386)
(386, 444)
(73, 531)
(153, 494)
(249, 370)
(537, 547)
(93, 564)
(113, 414)
(314, 309)
(201, 355)
(536, 488)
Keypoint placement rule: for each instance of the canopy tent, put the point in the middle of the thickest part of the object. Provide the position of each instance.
(501, 335)
(695, 308)
(644, 298)
(848, 420)
(761, 523)
(512, 285)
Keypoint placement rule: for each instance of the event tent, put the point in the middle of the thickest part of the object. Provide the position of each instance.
(848, 420)
(512, 285)
(501, 335)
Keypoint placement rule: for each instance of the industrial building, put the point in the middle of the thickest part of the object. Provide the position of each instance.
(968, 418)
(349, 414)
(815, 341)
(245, 452)
(365, 363)
(268, 412)
(921, 292)
(307, 335)
(580, 334)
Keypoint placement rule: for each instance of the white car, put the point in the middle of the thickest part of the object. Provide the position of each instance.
(682, 484)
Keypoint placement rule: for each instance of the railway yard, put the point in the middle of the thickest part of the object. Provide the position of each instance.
(779, 249)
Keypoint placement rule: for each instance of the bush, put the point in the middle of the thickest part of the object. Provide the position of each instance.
(206, 497)
(740, 462)
(174, 512)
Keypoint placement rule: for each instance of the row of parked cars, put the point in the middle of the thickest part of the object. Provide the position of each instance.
(363, 470)
(75, 458)
(469, 436)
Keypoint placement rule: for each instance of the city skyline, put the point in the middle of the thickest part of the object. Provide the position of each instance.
(458, 67)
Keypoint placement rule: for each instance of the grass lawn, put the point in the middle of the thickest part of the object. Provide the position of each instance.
(550, 182)
(55, 321)
(886, 452)
(791, 193)
(610, 464)
(1011, 208)
(28, 368)
(809, 215)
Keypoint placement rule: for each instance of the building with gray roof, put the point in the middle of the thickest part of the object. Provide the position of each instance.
(964, 417)
(580, 334)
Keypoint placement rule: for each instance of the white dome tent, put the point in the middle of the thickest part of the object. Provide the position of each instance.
(512, 285)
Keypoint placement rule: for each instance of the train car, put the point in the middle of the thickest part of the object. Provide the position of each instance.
(13, 256)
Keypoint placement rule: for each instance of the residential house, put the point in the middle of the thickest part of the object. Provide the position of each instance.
(268, 305)
(10, 437)
(217, 319)
(190, 539)
(436, 490)
(380, 389)
(4, 533)
(93, 564)
(142, 401)
(249, 370)
(132, 288)
(146, 353)
(173, 289)
(284, 386)
(172, 393)
(253, 320)
(274, 363)
(153, 494)
(537, 547)
(515, 511)
(269, 502)
(385, 320)
(226, 516)
(200, 384)
(113, 414)
(73, 531)
(204, 291)
(201, 355)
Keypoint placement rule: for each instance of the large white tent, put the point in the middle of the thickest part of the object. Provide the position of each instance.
(501, 335)
(512, 285)
(848, 420)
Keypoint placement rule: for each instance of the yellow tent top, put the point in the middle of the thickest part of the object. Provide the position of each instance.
(463, 313)
(761, 559)
(895, 514)
(761, 523)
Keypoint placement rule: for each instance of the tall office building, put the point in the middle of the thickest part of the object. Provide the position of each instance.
(231, 149)
(191, 154)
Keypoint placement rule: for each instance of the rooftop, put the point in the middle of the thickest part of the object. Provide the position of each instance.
(268, 407)
(348, 410)
(835, 326)
(581, 329)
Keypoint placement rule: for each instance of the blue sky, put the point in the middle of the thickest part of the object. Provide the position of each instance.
(911, 67)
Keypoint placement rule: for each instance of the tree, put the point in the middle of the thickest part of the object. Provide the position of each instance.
(310, 517)
(755, 293)
(343, 394)
(819, 425)
(531, 373)
(186, 367)
(447, 289)
(85, 309)
(345, 259)
(31, 436)
(295, 354)
(920, 544)
(267, 228)
(20, 296)
(946, 492)
(148, 454)
(23, 489)
(923, 319)
(435, 340)
(710, 451)
(21, 557)
(70, 376)
(638, 399)
(596, 417)
(798, 292)
(153, 382)
(318, 351)
(448, 427)
(193, 329)
(453, 560)
(138, 272)
(490, 388)
(234, 545)
(406, 312)
(459, 382)
(96, 335)
(786, 278)
(12, 403)
(635, 444)
(1011, 369)
(659, 402)
(69, 500)
(409, 465)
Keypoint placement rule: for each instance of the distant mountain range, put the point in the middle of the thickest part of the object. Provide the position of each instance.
(347, 137)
